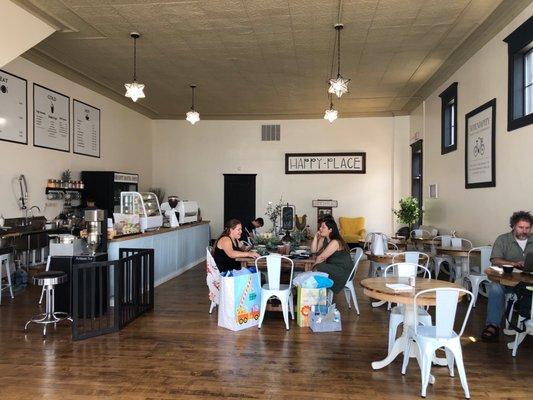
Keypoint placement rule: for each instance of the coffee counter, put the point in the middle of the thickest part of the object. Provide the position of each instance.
(175, 249)
(156, 232)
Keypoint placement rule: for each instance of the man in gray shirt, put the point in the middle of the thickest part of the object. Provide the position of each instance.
(509, 249)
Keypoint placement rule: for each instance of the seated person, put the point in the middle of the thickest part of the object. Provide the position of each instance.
(249, 231)
(510, 248)
(227, 247)
(333, 256)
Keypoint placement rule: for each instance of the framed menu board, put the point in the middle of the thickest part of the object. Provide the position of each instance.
(13, 108)
(51, 119)
(86, 129)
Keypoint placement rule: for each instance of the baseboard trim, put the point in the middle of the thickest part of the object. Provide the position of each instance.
(178, 272)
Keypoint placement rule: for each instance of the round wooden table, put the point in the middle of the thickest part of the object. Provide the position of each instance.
(461, 256)
(511, 279)
(376, 288)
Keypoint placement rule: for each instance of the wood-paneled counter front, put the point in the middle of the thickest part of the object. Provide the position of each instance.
(175, 249)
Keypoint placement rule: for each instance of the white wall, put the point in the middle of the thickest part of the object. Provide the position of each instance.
(13, 40)
(190, 161)
(478, 214)
(126, 141)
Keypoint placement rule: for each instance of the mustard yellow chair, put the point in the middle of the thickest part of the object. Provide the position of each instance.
(352, 229)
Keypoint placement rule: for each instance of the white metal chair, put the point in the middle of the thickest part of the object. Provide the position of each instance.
(349, 290)
(5, 261)
(528, 329)
(430, 338)
(445, 241)
(477, 278)
(456, 266)
(273, 287)
(404, 270)
(412, 257)
(420, 234)
(212, 279)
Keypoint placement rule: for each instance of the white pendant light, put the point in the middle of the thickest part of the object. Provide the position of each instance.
(331, 114)
(193, 116)
(338, 85)
(135, 89)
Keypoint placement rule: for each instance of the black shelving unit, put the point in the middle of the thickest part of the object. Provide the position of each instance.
(48, 190)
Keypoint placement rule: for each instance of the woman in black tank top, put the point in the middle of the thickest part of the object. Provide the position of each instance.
(226, 248)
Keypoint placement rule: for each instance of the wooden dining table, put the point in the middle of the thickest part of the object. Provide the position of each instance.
(461, 255)
(299, 264)
(376, 288)
(506, 279)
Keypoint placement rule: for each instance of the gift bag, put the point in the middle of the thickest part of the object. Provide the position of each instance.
(240, 301)
(306, 299)
(325, 319)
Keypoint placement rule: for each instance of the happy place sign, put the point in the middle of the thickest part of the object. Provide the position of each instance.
(325, 163)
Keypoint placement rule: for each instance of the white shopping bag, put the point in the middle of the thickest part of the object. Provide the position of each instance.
(240, 301)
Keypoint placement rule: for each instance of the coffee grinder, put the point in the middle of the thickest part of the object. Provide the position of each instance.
(96, 231)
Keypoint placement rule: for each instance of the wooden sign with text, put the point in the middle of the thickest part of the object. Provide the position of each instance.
(325, 163)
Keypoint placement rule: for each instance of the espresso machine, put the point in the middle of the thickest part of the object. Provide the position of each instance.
(96, 225)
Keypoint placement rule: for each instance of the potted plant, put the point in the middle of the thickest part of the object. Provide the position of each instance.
(409, 212)
(273, 212)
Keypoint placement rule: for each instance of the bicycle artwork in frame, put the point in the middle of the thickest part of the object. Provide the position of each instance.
(480, 149)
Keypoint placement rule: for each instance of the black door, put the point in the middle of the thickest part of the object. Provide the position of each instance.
(239, 197)
(416, 173)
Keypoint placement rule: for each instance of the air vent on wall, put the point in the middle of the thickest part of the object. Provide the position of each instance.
(270, 133)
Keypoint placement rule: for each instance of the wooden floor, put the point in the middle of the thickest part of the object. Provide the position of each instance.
(178, 352)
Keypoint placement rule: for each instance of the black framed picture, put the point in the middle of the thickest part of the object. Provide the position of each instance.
(13, 108)
(480, 146)
(85, 129)
(51, 119)
(325, 163)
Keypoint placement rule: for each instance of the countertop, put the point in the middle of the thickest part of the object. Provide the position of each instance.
(156, 232)
(29, 230)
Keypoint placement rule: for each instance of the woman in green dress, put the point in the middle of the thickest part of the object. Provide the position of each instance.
(333, 256)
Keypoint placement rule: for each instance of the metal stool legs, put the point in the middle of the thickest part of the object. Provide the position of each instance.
(50, 316)
(5, 260)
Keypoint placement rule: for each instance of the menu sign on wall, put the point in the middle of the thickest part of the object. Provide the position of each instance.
(51, 116)
(86, 126)
(13, 108)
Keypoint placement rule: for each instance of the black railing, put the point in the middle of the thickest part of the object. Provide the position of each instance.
(109, 295)
(136, 286)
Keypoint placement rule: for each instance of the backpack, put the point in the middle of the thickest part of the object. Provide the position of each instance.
(521, 302)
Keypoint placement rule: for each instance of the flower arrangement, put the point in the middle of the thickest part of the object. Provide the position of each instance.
(409, 211)
(273, 211)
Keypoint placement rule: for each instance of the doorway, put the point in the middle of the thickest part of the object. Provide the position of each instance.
(417, 179)
(239, 197)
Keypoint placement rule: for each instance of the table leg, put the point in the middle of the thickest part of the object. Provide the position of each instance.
(400, 343)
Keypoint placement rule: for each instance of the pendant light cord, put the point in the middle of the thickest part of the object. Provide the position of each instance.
(135, 59)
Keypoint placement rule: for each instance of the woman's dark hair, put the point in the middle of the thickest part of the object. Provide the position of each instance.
(260, 221)
(335, 234)
(231, 224)
(520, 216)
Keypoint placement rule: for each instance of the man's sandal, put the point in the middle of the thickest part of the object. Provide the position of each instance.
(490, 333)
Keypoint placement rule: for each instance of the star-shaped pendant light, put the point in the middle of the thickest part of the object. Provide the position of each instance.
(331, 114)
(135, 89)
(193, 116)
(338, 85)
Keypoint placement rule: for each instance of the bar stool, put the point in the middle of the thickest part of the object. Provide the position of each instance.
(5, 260)
(49, 279)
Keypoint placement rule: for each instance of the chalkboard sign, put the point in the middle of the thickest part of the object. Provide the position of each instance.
(287, 218)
